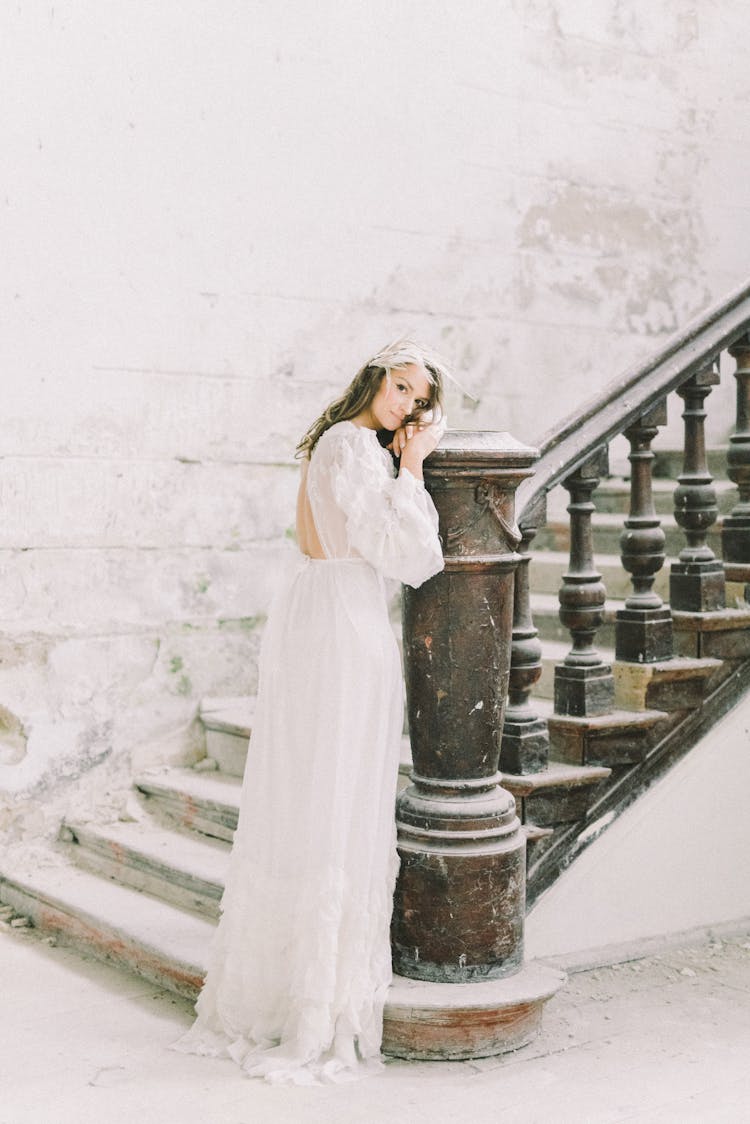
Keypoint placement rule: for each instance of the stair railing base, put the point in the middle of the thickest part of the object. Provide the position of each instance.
(455, 1022)
(525, 745)
(697, 587)
(584, 691)
(643, 635)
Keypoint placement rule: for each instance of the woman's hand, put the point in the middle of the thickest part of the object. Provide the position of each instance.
(414, 441)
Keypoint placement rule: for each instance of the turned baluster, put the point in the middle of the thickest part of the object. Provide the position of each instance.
(643, 629)
(696, 581)
(584, 684)
(735, 535)
(525, 740)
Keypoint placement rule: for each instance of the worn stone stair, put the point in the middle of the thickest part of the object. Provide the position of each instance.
(609, 526)
(178, 866)
(549, 566)
(207, 802)
(613, 494)
(229, 726)
(144, 894)
(117, 923)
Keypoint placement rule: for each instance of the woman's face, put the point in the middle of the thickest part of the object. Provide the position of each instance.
(407, 390)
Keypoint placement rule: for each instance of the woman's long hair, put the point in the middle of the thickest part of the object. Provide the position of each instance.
(365, 384)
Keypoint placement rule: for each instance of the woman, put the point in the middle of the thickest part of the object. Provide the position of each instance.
(300, 966)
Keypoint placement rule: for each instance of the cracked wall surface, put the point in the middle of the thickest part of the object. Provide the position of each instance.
(211, 215)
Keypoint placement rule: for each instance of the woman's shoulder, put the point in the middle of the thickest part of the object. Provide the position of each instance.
(345, 440)
(348, 433)
(339, 429)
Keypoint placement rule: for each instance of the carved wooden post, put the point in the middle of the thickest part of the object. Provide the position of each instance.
(460, 898)
(735, 535)
(525, 741)
(643, 629)
(696, 582)
(584, 684)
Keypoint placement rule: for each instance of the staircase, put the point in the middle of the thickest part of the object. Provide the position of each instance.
(647, 643)
(144, 893)
(609, 684)
(599, 763)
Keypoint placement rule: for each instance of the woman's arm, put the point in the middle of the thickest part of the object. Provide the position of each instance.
(413, 442)
(390, 521)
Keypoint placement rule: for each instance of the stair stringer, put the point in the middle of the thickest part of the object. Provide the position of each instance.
(731, 684)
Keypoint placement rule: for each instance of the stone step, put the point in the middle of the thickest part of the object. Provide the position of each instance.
(667, 685)
(715, 628)
(668, 462)
(737, 572)
(537, 839)
(613, 496)
(204, 802)
(228, 724)
(623, 737)
(116, 923)
(209, 802)
(558, 795)
(548, 566)
(545, 609)
(169, 947)
(179, 867)
(596, 744)
(737, 576)
(607, 530)
(723, 633)
(681, 683)
(553, 653)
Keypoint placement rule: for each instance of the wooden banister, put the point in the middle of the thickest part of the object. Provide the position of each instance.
(627, 397)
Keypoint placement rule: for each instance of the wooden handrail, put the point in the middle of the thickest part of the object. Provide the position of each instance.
(626, 397)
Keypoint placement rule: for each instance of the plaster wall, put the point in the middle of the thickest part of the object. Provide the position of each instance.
(211, 213)
(696, 853)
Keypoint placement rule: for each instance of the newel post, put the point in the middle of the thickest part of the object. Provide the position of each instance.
(460, 898)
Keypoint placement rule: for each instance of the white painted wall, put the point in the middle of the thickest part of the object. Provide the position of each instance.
(677, 859)
(210, 213)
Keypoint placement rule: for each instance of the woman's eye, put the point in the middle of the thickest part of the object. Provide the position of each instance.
(422, 404)
(400, 386)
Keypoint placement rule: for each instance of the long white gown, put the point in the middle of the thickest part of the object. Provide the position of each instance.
(300, 965)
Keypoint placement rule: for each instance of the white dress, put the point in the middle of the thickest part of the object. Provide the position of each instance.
(301, 963)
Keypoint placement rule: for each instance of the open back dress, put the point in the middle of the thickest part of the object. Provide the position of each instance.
(300, 964)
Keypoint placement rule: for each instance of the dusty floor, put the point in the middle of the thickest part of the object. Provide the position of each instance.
(663, 1039)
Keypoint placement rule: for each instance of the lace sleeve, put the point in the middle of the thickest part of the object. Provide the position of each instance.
(391, 521)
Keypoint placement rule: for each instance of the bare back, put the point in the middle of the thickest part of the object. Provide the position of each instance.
(307, 535)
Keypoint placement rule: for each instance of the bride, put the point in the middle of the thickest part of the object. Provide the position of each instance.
(300, 964)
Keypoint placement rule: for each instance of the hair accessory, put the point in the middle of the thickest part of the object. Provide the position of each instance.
(406, 350)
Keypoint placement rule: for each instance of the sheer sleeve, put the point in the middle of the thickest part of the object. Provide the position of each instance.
(390, 521)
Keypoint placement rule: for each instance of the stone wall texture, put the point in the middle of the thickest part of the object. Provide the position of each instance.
(212, 212)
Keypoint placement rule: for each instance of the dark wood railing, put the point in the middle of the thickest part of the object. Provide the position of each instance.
(575, 455)
(629, 396)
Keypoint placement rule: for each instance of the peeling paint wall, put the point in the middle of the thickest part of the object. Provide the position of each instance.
(211, 213)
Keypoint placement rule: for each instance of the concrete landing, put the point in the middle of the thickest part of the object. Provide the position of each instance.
(663, 1040)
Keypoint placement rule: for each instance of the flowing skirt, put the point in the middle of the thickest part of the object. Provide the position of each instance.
(300, 964)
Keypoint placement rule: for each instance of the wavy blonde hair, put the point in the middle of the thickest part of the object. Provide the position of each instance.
(365, 384)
